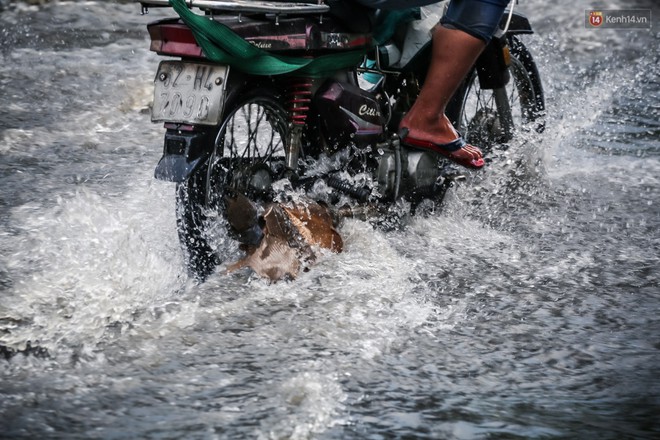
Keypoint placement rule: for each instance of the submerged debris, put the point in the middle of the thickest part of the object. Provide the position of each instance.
(279, 243)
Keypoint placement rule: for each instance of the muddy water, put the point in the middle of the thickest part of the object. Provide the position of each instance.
(526, 308)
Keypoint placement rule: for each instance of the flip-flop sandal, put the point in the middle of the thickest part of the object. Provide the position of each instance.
(446, 150)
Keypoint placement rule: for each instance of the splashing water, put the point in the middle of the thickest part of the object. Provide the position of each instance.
(526, 307)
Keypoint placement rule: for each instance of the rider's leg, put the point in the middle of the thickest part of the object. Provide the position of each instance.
(453, 55)
(462, 34)
(457, 42)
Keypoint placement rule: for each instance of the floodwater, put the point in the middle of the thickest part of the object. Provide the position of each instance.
(528, 307)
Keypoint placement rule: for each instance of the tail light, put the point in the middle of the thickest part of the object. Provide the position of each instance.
(173, 38)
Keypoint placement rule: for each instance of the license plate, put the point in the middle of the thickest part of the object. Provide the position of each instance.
(190, 93)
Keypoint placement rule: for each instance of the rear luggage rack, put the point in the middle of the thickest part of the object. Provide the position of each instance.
(247, 6)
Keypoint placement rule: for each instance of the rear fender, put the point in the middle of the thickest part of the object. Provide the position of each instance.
(184, 152)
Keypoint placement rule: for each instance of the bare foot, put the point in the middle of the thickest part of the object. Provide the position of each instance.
(441, 137)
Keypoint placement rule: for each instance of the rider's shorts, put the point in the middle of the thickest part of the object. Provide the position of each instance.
(478, 18)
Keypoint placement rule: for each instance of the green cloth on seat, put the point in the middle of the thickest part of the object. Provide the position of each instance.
(222, 45)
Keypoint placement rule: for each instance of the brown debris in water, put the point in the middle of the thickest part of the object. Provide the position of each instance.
(289, 235)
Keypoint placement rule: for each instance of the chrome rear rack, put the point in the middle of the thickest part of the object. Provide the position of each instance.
(247, 6)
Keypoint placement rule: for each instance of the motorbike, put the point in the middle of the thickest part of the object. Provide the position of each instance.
(314, 107)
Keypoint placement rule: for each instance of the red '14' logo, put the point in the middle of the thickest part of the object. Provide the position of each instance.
(596, 18)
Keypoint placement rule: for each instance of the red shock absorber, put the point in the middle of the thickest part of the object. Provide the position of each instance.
(300, 95)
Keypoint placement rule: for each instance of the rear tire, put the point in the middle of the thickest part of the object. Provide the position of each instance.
(248, 155)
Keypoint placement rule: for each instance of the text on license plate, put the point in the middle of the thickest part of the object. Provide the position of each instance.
(189, 93)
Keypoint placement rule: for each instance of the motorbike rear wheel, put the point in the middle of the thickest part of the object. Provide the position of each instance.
(248, 154)
(490, 119)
